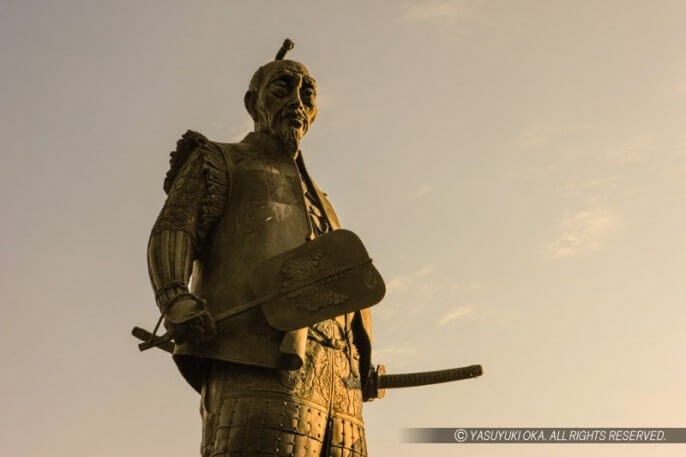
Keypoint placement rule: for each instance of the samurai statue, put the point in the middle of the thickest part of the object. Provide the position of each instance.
(230, 207)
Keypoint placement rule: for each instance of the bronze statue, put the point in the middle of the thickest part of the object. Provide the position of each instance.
(275, 330)
(230, 207)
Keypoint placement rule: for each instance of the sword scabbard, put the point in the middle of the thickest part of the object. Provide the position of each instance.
(379, 381)
(425, 378)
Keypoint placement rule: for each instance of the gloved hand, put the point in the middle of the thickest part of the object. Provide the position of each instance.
(188, 320)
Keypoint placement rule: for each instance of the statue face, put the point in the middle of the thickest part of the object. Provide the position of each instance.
(285, 102)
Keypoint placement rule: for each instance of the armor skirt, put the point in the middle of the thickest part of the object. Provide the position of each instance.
(315, 411)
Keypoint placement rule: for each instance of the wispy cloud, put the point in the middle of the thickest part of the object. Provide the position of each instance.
(396, 356)
(426, 284)
(450, 318)
(582, 233)
(415, 282)
(542, 134)
(635, 149)
(400, 349)
(537, 135)
(434, 299)
(443, 12)
(589, 189)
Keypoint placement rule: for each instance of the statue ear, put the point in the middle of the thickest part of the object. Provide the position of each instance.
(250, 101)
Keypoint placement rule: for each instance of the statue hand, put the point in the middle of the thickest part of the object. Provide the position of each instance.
(187, 320)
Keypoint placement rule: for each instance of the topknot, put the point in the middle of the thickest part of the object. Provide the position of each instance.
(285, 47)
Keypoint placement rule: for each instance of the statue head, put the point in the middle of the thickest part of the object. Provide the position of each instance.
(281, 99)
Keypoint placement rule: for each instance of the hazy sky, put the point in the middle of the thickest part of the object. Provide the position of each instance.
(515, 168)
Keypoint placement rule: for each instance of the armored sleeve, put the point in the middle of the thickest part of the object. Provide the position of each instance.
(196, 199)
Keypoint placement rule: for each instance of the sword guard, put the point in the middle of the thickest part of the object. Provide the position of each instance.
(372, 388)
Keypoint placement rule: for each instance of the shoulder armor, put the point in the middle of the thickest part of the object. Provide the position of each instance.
(189, 142)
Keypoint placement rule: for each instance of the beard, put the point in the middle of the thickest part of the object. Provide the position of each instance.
(288, 133)
(290, 138)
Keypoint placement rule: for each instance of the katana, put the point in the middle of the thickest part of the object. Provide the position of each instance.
(378, 380)
(327, 277)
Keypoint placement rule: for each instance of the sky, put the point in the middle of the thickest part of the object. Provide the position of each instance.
(515, 168)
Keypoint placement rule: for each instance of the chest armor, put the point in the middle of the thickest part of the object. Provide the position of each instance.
(265, 215)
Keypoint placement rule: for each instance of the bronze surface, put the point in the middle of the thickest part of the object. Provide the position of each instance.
(286, 378)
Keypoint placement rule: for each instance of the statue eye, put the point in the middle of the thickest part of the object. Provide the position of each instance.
(279, 88)
(308, 95)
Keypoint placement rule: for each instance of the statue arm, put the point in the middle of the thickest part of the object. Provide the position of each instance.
(195, 202)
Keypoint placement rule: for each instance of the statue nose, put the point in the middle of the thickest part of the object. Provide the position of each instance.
(295, 102)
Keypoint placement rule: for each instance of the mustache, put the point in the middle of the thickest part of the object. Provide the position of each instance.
(293, 114)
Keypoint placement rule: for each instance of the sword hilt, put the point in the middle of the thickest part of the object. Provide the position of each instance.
(163, 342)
